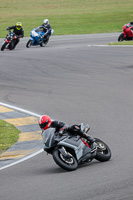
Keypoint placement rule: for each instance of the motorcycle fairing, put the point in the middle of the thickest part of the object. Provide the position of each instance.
(48, 138)
(73, 140)
(82, 151)
(127, 31)
(36, 36)
(7, 41)
(77, 145)
(52, 31)
(75, 148)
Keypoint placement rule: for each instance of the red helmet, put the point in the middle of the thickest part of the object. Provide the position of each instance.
(45, 122)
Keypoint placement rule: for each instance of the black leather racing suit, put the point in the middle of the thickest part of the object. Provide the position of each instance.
(18, 33)
(47, 30)
(74, 130)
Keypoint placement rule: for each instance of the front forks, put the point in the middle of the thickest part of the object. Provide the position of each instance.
(64, 153)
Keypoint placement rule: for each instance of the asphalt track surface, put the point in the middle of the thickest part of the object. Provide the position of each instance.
(73, 82)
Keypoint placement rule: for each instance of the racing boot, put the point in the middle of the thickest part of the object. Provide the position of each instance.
(91, 142)
(90, 139)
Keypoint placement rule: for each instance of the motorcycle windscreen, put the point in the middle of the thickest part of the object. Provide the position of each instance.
(34, 34)
(48, 136)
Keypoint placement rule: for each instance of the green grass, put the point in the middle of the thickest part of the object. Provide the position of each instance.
(122, 43)
(67, 16)
(8, 135)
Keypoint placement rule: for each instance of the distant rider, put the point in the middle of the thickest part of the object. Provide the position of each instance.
(46, 28)
(18, 30)
(45, 122)
(129, 29)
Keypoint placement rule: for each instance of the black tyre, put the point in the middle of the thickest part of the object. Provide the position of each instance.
(44, 43)
(29, 43)
(12, 45)
(69, 164)
(3, 46)
(121, 37)
(103, 151)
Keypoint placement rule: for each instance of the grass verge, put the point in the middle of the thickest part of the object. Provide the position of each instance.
(122, 43)
(67, 16)
(9, 135)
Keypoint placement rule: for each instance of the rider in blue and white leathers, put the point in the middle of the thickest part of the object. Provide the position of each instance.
(46, 28)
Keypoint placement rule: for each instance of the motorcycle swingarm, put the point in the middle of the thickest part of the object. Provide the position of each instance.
(87, 157)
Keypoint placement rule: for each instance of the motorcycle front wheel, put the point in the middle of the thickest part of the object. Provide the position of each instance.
(29, 43)
(103, 151)
(121, 37)
(4, 46)
(68, 164)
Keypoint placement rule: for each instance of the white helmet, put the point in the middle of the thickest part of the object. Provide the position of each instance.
(46, 22)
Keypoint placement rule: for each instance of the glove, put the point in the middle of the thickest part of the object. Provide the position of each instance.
(75, 128)
(8, 29)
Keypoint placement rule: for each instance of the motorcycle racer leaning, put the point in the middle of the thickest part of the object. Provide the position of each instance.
(45, 122)
(18, 30)
(46, 28)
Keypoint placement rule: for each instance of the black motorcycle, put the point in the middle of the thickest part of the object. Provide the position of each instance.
(9, 42)
(69, 151)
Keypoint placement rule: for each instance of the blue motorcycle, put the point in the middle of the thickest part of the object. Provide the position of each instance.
(37, 38)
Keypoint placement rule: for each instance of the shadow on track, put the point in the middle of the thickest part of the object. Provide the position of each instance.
(57, 170)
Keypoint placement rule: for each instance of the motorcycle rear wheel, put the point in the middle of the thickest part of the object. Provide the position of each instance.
(121, 37)
(68, 164)
(103, 152)
(4, 46)
(44, 43)
(29, 43)
(12, 45)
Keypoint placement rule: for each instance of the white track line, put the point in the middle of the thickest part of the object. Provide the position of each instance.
(23, 159)
(20, 109)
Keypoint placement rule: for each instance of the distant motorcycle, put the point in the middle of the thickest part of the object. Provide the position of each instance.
(9, 42)
(36, 38)
(69, 151)
(127, 33)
